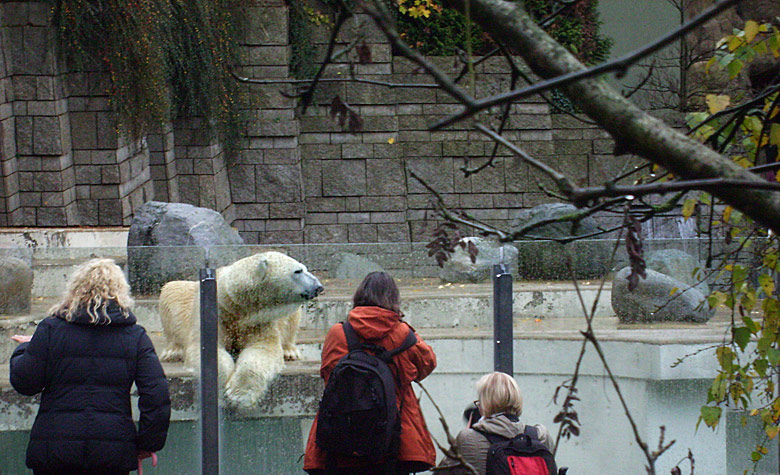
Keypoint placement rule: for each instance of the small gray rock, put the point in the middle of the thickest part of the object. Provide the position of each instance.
(678, 265)
(355, 267)
(16, 277)
(652, 300)
(459, 268)
(168, 241)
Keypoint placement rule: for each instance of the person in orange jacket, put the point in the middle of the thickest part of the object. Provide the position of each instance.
(377, 318)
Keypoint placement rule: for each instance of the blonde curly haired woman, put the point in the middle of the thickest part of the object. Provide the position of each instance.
(83, 359)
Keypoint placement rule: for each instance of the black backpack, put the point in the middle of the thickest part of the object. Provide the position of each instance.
(523, 454)
(358, 415)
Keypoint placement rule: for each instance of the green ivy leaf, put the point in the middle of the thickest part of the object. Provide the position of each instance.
(734, 68)
(710, 416)
(742, 337)
(773, 355)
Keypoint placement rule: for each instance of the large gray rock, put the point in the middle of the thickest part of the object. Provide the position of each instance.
(459, 268)
(159, 230)
(16, 277)
(653, 301)
(678, 265)
(548, 260)
(355, 267)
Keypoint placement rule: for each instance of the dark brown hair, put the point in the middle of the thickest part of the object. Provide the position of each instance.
(378, 289)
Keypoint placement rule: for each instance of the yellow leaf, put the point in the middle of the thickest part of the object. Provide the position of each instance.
(673, 291)
(751, 30)
(727, 214)
(774, 134)
(734, 43)
(688, 207)
(391, 140)
(777, 176)
(772, 431)
(717, 103)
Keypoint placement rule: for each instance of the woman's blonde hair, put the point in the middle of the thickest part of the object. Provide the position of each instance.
(499, 392)
(92, 286)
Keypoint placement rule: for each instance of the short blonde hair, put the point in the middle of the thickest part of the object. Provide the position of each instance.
(498, 392)
(92, 286)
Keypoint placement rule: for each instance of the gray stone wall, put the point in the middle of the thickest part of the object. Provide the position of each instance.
(295, 178)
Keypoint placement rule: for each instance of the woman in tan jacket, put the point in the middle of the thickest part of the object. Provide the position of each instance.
(500, 403)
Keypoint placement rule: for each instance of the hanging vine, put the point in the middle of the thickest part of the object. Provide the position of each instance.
(164, 58)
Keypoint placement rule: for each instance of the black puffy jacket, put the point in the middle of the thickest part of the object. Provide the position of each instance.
(85, 372)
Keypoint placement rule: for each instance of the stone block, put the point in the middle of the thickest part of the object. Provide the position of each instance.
(345, 137)
(357, 150)
(15, 13)
(277, 182)
(83, 130)
(252, 210)
(286, 210)
(24, 88)
(269, 56)
(573, 147)
(352, 204)
(47, 138)
(283, 156)
(392, 233)
(362, 233)
(88, 174)
(382, 203)
(344, 178)
(386, 150)
(313, 138)
(386, 177)
(242, 183)
(29, 164)
(325, 233)
(379, 137)
(421, 149)
(436, 172)
(24, 135)
(42, 108)
(52, 217)
(106, 131)
(110, 213)
(321, 218)
(320, 151)
(51, 199)
(30, 199)
(385, 217)
(283, 225)
(265, 26)
(38, 54)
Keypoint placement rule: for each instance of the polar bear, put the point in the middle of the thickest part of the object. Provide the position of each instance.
(260, 299)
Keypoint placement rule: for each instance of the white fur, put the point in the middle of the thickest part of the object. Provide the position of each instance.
(260, 300)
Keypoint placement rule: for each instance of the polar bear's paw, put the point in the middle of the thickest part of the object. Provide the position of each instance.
(172, 354)
(292, 353)
(241, 396)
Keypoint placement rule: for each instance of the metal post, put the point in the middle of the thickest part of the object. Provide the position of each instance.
(208, 373)
(502, 320)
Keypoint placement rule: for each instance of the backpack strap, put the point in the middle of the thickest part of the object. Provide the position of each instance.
(353, 340)
(529, 431)
(492, 438)
(354, 343)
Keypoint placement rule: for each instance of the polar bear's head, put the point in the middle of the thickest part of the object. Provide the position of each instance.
(278, 271)
(264, 282)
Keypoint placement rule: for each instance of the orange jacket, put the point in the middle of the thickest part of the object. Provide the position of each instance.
(385, 328)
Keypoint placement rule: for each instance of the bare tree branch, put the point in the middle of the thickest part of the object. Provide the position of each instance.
(620, 65)
(634, 130)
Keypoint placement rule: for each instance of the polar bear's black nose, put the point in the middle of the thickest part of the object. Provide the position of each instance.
(318, 290)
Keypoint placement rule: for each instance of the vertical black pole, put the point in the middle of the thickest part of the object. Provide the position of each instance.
(208, 373)
(502, 320)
